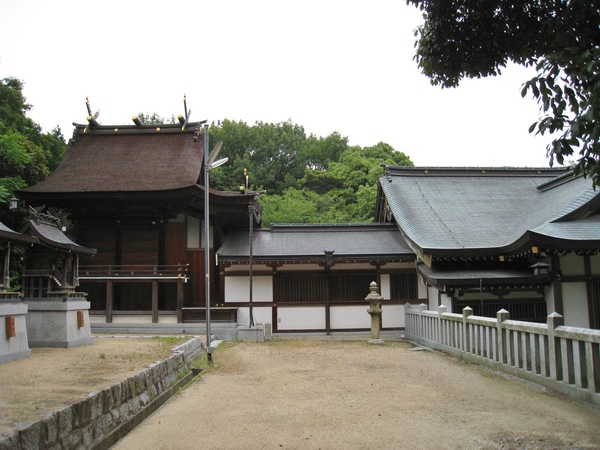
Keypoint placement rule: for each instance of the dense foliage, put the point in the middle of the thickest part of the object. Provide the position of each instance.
(307, 178)
(27, 156)
(477, 38)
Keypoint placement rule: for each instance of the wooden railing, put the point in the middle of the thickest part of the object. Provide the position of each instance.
(90, 272)
(564, 359)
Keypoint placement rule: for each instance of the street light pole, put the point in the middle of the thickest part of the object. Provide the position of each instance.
(209, 163)
(250, 263)
(12, 206)
(209, 349)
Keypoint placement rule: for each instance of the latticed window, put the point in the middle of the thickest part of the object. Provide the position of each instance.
(350, 287)
(300, 287)
(343, 287)
(404, 286)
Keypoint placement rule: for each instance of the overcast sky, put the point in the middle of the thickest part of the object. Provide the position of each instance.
(328, 65)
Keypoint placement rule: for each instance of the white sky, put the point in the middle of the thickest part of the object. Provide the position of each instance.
(328, 65)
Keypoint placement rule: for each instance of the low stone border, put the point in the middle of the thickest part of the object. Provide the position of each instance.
(88, 423)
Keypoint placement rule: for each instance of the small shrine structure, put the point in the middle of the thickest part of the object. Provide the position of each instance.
(13, 331)
(58, 315)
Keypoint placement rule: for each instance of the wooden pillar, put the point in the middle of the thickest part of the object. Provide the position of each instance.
(162, 233)
(328, 264)
(109, 301)
(557, 287)
(327, 303)
(154, 301)
(180, 300)
(275, 299)
(592, 307)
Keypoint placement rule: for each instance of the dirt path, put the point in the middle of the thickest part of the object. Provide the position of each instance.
(54, 377)
(348, 395)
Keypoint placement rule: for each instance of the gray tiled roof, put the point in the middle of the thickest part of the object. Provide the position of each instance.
(49, 233)
(309, 242)
(7, 234)
(465, 209)
(576, 230)
(473, 276)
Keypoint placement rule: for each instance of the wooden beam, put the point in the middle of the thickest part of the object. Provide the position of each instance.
(154, 301)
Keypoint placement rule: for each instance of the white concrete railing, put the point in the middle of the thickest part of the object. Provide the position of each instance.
(563, 359)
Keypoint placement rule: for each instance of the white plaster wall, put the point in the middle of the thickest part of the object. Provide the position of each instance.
(350, 317)
(575, 305)
(571, 264)
(432, 298)
(421, 289)
(180, 218)
(385, 290)
(195, 233)
(447, 302)
(301, 318)
(392, 316)
(261, 315)
(237, 289)
(167, 319)
(97, 319)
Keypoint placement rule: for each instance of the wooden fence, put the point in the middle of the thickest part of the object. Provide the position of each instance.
(563, 359)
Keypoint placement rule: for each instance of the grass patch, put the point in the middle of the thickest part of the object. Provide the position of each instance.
(169, 342)
(183, 374)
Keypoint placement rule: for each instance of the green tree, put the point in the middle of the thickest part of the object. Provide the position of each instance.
(27, 156)
(362, 166)
(268, 151)
(317, 153)
(155, 119)
(307, 179)
(293, 206)
(477, 38)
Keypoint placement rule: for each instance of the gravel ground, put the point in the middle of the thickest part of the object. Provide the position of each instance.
(311, 394)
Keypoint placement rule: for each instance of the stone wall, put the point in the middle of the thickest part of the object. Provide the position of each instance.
(87, 423)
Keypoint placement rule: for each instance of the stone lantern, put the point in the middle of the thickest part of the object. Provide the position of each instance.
(374, 310)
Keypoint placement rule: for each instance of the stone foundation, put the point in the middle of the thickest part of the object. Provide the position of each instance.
(13, 313)
(59, 322)
(253, 334)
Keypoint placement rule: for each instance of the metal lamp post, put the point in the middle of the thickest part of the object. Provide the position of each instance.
(12, 206)
(209, 163)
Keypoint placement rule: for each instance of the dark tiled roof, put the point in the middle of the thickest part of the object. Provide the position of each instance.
(450, 210)
(583, 230)
(128, 158)
(48, 230)
(462, 277)
(309, 242)
(6, 234)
